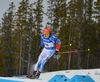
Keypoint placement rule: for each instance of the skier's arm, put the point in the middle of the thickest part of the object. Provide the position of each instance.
(41, 40)
(57, 41)
(58, 44)
(41, 47)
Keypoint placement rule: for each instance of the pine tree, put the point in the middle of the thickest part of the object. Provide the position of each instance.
(79, 18)
(7, 40)
(49, 12)
(28, 24)
(64, 33)
(31, 34)
(38, 19)
(22, 32)
(97, 18)
(2, 65)
(68, 32)
(4, 40)
(90, 34)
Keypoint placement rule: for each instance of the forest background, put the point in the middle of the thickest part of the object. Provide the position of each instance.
(76, 24)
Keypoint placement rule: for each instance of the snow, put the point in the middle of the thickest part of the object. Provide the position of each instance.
(45, 77)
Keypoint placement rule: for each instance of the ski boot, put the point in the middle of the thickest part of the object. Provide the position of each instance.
(34, 72)
(36, 76)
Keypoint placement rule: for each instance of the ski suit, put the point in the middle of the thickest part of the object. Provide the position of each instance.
(48, 50)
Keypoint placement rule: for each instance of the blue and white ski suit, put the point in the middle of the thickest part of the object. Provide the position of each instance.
(48, 50)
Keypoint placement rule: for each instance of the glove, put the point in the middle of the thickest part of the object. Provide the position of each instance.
(41, 48)
(56, 52)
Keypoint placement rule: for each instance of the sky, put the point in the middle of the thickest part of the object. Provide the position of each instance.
(94, 74)
(4, 5)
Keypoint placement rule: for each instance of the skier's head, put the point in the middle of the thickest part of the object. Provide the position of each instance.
(46, 32)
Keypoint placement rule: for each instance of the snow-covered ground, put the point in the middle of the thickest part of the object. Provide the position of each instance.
(45, 77)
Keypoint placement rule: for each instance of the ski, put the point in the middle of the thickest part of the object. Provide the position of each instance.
(29, 78)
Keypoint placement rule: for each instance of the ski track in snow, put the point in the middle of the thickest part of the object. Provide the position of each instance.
(45, 77)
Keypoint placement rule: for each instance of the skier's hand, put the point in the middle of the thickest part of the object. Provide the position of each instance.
(56, 52)
(41, 48)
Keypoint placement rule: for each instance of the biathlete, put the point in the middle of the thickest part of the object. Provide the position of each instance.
(49, 41)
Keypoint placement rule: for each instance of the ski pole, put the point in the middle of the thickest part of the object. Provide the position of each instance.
(73, 51)
(68, 52)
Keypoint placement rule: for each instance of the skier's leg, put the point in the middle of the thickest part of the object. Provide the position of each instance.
(41, 67)
(38, 63)
(36, 68)
(39, 60)
(47, 56)
(45, 59)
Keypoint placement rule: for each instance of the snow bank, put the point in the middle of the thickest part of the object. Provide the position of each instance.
(45, 77)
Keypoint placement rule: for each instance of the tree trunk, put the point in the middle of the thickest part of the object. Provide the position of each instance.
(28, 65)
(23, 55)
(20, 56)
(69, 61)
